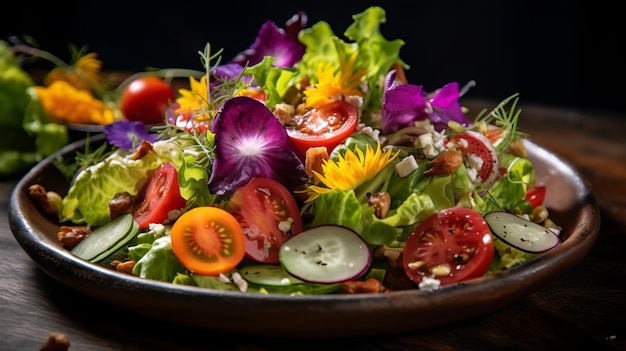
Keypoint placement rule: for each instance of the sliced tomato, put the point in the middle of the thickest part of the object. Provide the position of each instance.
(208, 240)
(472, 144)
(159, 197)
(268, 215)
(327, 126)
(452, 245)
(536, 195)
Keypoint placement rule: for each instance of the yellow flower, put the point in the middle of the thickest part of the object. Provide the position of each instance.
(331, 86)
(196, 99)
(64, 102)
(84, 74)
(350, 170)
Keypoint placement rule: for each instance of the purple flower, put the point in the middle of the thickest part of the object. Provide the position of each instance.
(282, 44)
(251, 142)
(127, 134)
(403, 104)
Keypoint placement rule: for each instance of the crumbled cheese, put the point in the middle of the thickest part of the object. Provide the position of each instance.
(424, 140)
(241, 283)
(285, 226)
(430, 151)
(472, 174)
(475, 162)
(406, 166)
(429, 284)
(371, 132)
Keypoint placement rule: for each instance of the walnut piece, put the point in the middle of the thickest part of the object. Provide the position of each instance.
(70, 236)
(121, 203)
(56, 342)
(363, 287)
(445, 164)
(381, 203)
(46, 202)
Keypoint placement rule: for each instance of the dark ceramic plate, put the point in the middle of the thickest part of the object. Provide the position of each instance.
(571, 202)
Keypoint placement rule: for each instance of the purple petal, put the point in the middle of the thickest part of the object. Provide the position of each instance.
(446, 107)
(402, 105)
(273, 41)
(127, 134)
(251, 142)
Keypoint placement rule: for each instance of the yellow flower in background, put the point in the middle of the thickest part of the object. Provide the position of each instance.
(350, 170)
(64, 102)
(195, 100)
(84, 74)
(331, 85)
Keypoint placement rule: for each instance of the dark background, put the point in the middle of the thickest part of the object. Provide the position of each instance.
(554, 52)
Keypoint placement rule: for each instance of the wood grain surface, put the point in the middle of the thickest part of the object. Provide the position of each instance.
(584, 308)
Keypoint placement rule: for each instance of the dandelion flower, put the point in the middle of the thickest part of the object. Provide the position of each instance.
(350, 170)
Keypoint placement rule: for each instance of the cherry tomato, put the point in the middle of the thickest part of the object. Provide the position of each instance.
(328, 126)
(536, 195)
(268, 214)
(145, 99)
(452, 245)
(207, 240)
(159, 197)
(472, 143)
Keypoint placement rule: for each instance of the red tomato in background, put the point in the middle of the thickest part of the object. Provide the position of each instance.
(536, 195)
(328, 126)
(268, 215)
(145, 99)
(452, 245)
(159, 197)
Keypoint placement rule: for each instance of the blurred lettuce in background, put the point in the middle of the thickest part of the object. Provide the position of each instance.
(28, 135)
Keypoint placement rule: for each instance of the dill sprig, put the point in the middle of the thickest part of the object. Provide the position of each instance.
(82, 160)
(504, 119)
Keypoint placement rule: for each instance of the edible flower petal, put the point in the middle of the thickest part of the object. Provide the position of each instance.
(251, 142)
(64, 102)
(404, 104)
(127, 134)
(279, 43)
(350, 170)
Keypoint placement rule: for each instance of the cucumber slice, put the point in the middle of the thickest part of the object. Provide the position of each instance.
(268, 275)
(105, 240)
(520, 233)
(326, 254)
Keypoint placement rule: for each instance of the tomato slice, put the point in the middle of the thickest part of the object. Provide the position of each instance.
(268, 215)
(536, 195)
(452, 245)
(471, 144)
(328, 125)
(208, 240)
(159, 197)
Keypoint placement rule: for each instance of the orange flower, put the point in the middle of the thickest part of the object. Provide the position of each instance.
(64, 102)
(84, 74)
(331, 86)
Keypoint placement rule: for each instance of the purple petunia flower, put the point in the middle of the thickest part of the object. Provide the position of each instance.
(282, 44)
(251, 142)
(403, 104)
(127, 134)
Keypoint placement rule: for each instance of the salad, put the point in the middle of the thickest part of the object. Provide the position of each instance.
(308, 164)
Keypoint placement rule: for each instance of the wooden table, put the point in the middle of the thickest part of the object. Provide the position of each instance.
(584, 308)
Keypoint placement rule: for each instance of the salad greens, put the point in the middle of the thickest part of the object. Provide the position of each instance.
(28, 134)
(417, 150)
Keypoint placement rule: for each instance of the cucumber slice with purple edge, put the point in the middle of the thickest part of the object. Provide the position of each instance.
(105, 240)
(521, 233)
(326, 254)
